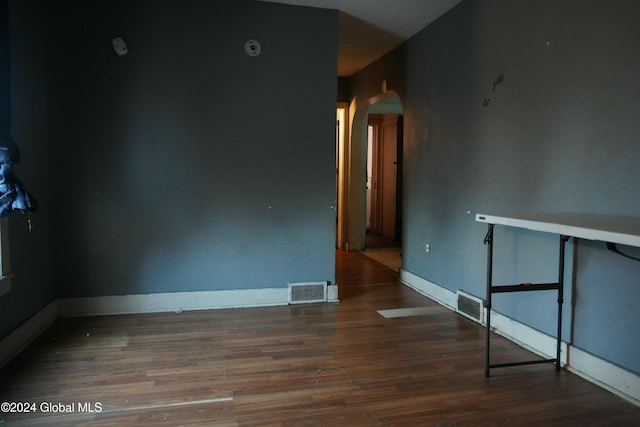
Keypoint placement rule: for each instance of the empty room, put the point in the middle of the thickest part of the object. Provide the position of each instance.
(319, 212)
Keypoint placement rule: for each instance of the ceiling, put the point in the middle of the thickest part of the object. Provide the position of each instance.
(368, 29)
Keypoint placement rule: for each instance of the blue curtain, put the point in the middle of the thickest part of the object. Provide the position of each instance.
(13, 196)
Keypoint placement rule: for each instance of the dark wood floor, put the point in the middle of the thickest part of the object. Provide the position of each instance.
(305, 365)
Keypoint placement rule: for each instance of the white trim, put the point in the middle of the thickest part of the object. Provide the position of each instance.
(171, 301)
(605, 374)
(332, 293)
(21, 337)
(533, 340)
(425, 287)
(598, 371)
(617, 380)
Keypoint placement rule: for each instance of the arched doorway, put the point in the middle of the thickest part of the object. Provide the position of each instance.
(386, 106)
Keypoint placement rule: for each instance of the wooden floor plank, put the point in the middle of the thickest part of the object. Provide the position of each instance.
(313, 365)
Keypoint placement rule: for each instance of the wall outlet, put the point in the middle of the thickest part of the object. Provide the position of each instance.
(427, 248)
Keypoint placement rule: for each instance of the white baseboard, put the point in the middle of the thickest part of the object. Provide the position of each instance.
(607, 375)
(332, 293)
(17, 340)
(435, 292)
(598, 371)
(593, 369)
(533, 340)
(172, 301)
(178, 301)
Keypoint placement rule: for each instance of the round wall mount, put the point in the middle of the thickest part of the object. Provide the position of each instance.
(252, 47)
(120, 46)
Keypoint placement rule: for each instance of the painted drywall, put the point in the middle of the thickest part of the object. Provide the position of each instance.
(187, 165)
(29, 251)
(5, 113)
(523, 106)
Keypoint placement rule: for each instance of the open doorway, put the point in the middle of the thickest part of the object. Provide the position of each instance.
(384, 180)
(384, 183)
(353, 222)
(342, 174)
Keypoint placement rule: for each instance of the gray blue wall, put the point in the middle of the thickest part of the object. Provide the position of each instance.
(5, 111)
(560, 134)
(186, 164)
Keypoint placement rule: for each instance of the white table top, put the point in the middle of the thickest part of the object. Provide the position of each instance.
(623, 230)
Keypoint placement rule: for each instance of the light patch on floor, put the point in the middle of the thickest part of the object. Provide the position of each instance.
(389, 257)
(406, 312)
(166, 405)
(99, 342)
